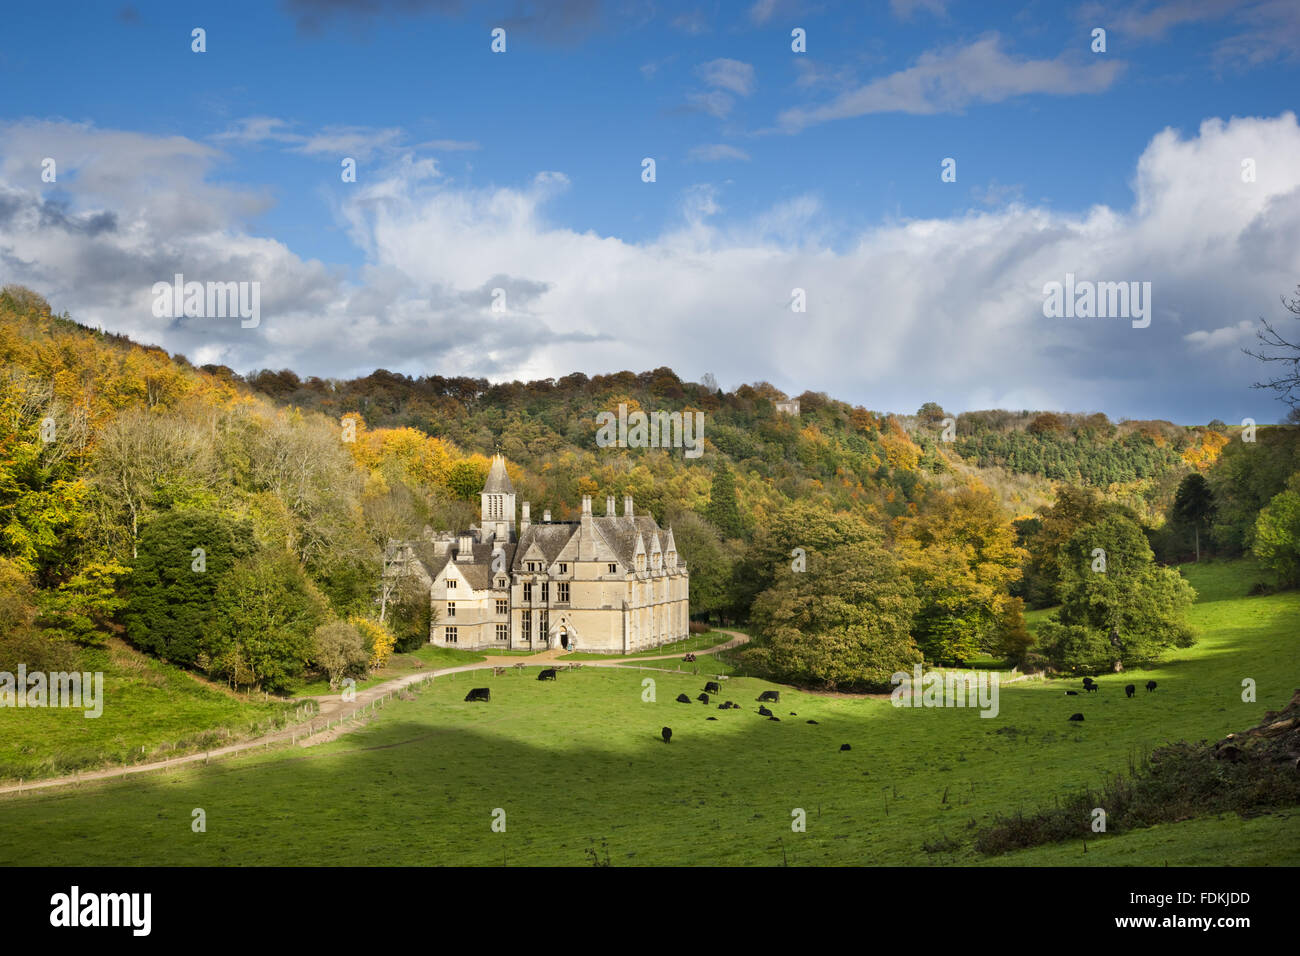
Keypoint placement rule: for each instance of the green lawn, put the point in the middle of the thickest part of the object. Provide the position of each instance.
(696, 642)
(579, 761)
(150, 710)
(428, 657)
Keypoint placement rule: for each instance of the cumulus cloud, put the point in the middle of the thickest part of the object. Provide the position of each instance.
(898, 313)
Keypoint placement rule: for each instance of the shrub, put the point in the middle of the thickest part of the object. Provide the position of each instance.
(340, 651)
(378, 640)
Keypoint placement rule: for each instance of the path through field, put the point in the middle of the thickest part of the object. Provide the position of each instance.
(334, 714)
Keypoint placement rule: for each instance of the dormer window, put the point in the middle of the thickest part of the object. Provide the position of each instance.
(451, 584)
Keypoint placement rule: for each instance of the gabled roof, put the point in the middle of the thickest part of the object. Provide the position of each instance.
(549, 539)
(478, 575)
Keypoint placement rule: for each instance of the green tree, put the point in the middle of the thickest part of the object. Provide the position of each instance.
(710, 560)
(844, 623)
(1194, 506)
(410, 615)
(1138, 605)
(267, 609)
(1277, 534)
(723, 510)
(171, 592)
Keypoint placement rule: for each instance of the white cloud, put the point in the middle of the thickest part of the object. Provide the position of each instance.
(938, 309)
(949, 80)
(716, 152)
(1229, 337)
(731, 75)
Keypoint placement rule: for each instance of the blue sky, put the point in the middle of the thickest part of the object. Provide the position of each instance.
(819, 170)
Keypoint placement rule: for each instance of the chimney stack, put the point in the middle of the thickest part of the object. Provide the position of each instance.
(627, 506)
(587, 538)
(465, 550)
(524, 521)
(610, 511)
(546, 516)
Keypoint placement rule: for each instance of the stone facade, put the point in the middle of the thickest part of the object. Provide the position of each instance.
(608, 583)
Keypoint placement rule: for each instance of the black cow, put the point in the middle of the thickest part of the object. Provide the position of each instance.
(1151, 685)
(703, 698)
(793, 714)
(712, 687)
(1071, 693)
(1130, 690)
(479, 693)
(666, 734)
(683, 699)
(547, 674)
(774, 717)
(710, 718)
(763, 711)
(1088, 682)
(1091, 687)
(771, 696)
(1076, 716)
(731, 705)
(844, 747)
(810, 721)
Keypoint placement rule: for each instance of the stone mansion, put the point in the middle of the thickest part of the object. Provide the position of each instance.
(605, 583)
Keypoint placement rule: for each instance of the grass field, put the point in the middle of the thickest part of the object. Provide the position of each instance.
(578, 765)
(428, 657)
(696, 642)
(152, 710)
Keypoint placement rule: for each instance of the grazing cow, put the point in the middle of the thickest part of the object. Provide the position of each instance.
(1151, 685)
(666, 734)
(1091, 687)
(1071, 693)
(774, 717)
(730, 706)
(763, 711)
(479, 693)
(703, 698)
(683, 699)
(844, 747)
(1076, 716)
(810, 721)
(1130, 690)
(712, 687)
(771, 696)
(710, 718)
(793, 714)
(547, 674)
(689, 658)
(723, 707)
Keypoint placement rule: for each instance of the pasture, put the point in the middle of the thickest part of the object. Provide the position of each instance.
(578, 767)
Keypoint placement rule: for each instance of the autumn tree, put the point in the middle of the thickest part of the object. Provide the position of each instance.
(962, 557)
